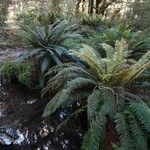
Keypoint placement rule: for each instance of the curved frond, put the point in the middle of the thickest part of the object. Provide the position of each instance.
(93, 139)
(122, 130)
(109, 50)
(137, 133)
(54, 70)
(64, 76)
(101, 101)
(142, 112)
(63, 98)
(136, 70)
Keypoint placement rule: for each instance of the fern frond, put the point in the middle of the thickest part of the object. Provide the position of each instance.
(136, 70)
(90, 57)
(54, 70)
(94, 102)
(51, 105)
(109, 50)
(109, 107)
(122, 130)
(62, 77)
(63, 98)
(136, 132)
(121, 50)
(142, 112)
(93, 139)
(79, 84)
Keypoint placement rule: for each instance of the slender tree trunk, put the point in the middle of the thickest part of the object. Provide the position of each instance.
(97, 6)
(91, 6)
(83, 4)
(77, 7)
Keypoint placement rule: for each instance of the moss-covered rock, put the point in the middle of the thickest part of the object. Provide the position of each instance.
(8, 70)
(24, 72)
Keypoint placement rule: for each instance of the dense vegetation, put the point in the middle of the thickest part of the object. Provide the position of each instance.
(86, 58)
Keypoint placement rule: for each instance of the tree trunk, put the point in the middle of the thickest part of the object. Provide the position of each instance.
(97, 6)
(83, 4)
(77, 7)
(91, 6)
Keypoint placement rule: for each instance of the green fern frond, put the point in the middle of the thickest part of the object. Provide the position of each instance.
(54, 70)
(137, 133)
(142, 112)
(59, 83)
(109, 107)
(93, 139)
(137, 69)
(122, 130)
(94, 102)
(63, 98)
(74, 90)
(109, 50)
(121, 50)
(79, 84)
(61, 78)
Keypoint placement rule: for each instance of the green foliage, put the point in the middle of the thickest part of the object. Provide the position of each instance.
(8, 70)
(24, 72)
(138, 42)
(26, 18)
(115, 69)
(34, 18)
(2, 20)
(48, 45)
(99, 86)
(45, 19)
(49, 41)
(94, 22)
(95, 135)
